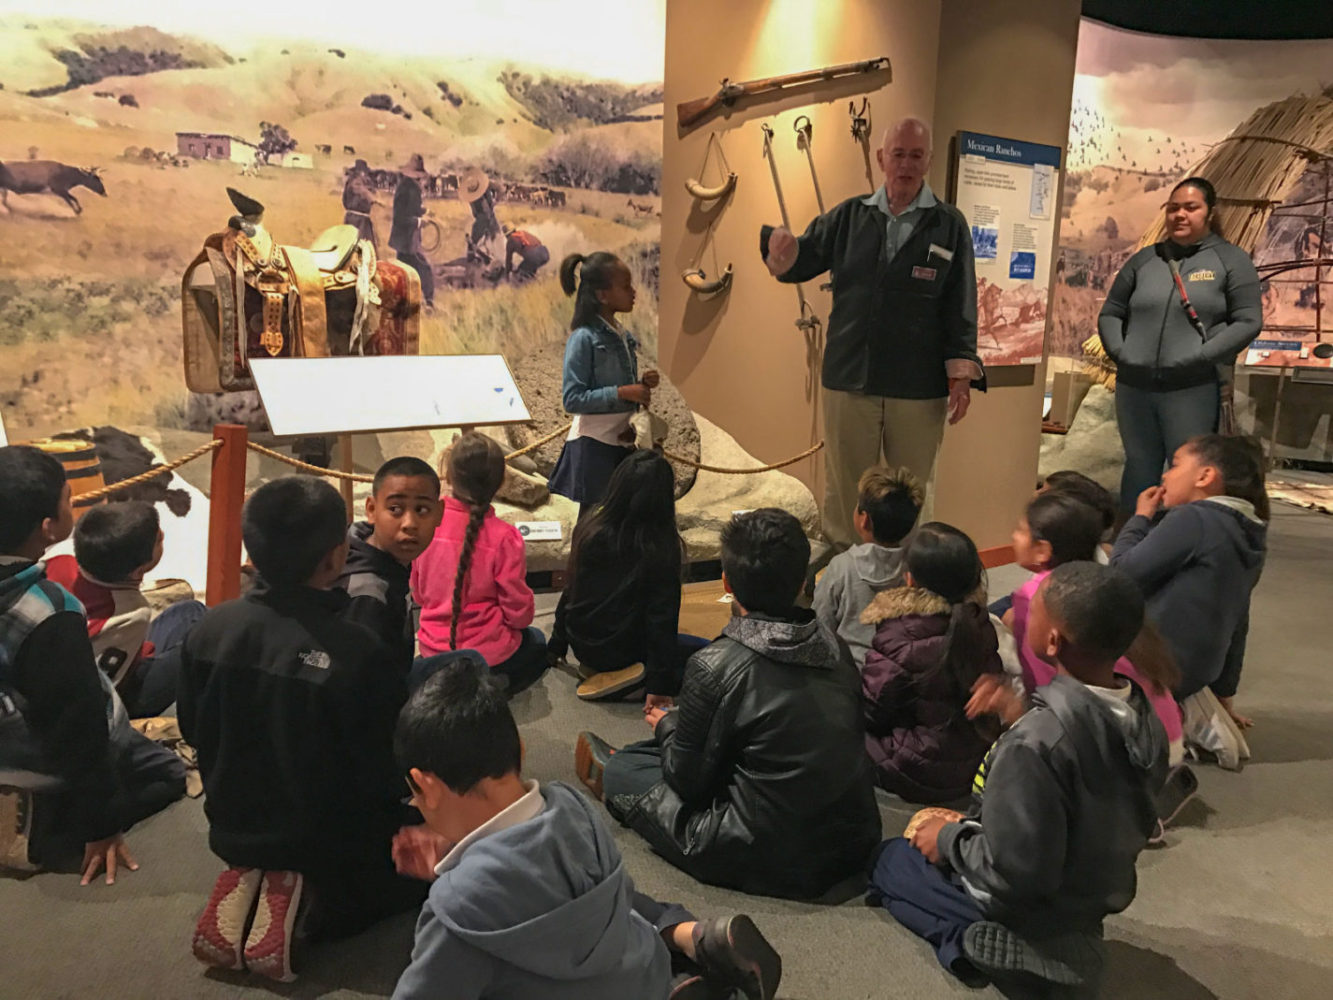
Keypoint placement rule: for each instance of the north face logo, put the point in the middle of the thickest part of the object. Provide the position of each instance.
(316, 658)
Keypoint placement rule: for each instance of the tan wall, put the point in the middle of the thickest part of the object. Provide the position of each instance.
(1006, 67)
(738, 358)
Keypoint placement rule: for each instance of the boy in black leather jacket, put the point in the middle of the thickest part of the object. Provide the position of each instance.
(759, 781)
(1017, 889)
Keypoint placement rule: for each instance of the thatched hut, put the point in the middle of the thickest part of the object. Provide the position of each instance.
(1254, 169)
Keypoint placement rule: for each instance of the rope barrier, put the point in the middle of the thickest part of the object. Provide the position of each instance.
(537, 444)
(307, 467)
(88, 499)
(743, 472)
(92, 497)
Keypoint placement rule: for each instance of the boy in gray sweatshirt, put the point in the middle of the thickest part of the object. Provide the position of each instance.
(530, 895)
(888, 504)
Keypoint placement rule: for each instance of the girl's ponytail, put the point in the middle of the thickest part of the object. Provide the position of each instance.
(475, 470)
(568, 275)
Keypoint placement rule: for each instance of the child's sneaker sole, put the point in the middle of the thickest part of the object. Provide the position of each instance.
(219, 936)
(268, 947)
(997, 952)
(733, 953)
(611, 683)
(590, 756)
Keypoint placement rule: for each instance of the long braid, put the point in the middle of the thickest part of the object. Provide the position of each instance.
(476, 467)
(476, 517)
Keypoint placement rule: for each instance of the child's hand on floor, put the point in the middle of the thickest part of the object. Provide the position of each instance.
(1150, 501)
(993, 695)
(926, 839)
(108, 853)
(1241, 721)
(417, 850)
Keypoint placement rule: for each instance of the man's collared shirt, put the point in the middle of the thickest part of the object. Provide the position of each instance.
(900, 226)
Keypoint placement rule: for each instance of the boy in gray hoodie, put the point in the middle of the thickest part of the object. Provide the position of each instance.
(888, 504)
(1016, 890)
(530, 895)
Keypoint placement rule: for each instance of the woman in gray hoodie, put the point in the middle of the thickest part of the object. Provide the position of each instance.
(1172, 359)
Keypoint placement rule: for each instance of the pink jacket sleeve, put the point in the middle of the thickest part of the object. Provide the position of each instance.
(511, 569)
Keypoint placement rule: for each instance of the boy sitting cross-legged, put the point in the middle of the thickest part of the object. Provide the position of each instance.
(759, 779)
(530, 896)
(73, 773)
(1016, 890)
(115, 546)
(291, 709)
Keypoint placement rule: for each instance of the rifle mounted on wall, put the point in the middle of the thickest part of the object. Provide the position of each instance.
(691, 112)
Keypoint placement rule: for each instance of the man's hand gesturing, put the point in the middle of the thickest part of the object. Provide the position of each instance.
(782, 251)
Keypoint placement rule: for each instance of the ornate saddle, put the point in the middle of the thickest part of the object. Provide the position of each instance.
(246, 296)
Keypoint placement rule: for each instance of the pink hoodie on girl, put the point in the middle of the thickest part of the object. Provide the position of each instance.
(497, 601)
(1037, 672)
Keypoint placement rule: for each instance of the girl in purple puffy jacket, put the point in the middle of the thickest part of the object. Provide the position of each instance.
(933, 639)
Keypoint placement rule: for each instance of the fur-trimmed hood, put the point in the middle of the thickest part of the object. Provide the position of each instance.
(903, 601)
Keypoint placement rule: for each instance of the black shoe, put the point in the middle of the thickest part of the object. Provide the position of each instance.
(1181, 785)
(1000, 954)
(591, 753)
(734, 955)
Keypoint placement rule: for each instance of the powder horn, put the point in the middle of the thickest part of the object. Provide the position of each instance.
(710, 193)
(698, 280)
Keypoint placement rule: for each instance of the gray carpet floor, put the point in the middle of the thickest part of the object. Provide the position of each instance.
(1238, 905)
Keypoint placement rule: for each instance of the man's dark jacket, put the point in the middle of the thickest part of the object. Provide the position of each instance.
(895, 322)
(767, 786)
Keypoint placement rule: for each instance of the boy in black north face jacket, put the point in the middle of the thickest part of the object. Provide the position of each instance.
(1017, 889)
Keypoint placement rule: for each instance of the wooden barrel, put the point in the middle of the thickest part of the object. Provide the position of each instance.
(83, 469)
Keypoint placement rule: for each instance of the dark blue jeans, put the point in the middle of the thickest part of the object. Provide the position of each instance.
(923, 899)
(152, 689)
(523, 668)
(633, 770)
(1153, 425)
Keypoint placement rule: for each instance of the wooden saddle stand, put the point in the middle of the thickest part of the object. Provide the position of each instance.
(245, 296)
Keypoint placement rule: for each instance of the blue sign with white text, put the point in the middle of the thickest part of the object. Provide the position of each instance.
(1007, 150)
(1023, 264)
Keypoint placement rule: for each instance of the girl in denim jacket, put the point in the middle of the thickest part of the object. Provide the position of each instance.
(602, 387)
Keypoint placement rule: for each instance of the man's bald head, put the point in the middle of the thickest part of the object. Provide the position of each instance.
(908, 130)
(904, 157)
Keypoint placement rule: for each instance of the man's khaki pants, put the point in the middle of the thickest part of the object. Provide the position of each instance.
(857, 429)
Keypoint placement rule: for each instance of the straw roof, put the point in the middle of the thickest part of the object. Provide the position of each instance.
(1253, 170)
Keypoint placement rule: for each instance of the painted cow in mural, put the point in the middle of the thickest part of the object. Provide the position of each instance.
(48, 177)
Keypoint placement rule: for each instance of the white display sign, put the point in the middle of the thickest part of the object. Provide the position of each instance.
(1006, 189)
(361, 394)
(539, 531)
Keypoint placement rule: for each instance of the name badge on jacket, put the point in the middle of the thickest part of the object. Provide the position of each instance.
(924, 273)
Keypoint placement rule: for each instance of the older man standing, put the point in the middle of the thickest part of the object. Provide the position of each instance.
(901, 352)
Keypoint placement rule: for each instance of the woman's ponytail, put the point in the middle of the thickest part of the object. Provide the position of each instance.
(583, 277)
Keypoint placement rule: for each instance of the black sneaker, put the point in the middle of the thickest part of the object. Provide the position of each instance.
(733, 954)
(591, 753)
(1181, 785)
(1002, 955)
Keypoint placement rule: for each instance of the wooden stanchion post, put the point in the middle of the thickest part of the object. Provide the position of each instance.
(226, 496)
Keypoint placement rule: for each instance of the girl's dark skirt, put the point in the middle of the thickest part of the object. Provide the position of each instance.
(584, 469)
